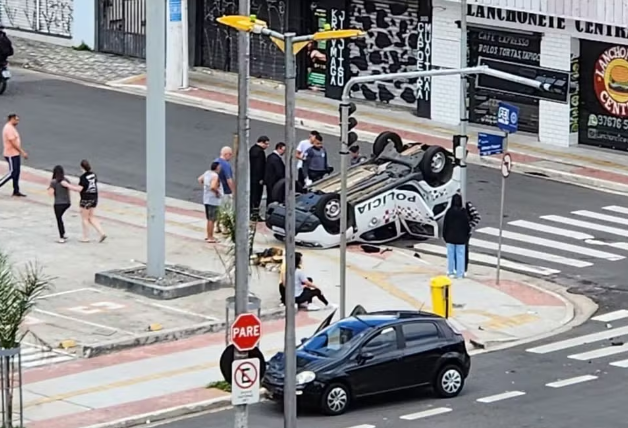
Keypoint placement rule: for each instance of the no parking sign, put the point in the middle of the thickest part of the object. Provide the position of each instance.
(245, 376)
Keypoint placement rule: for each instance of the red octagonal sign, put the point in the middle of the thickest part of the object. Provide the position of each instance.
(246, 332)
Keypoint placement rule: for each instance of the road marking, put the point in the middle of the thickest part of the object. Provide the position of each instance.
(490, 260)
(551, 230)
(36, 356)
(363, 426)
(180, 311)
(623, 364)
(426, 414)
(571, 381)
(551, 244)
(580, 340)
(617, 209)
(500, 397)
(586, 225)
(603, 217)
(529, 253)
(93, 324)
(600, 353)
(63, 293)
(611, 316)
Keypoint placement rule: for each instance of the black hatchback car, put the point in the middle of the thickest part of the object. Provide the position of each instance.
(372, 353)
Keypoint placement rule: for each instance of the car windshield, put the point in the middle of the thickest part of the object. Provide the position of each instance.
(336, 339)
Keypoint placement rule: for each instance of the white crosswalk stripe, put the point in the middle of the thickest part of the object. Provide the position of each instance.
(611, 316)
(587, 225)
(603, 217)
(529, 253)
(551, 230)
(489, 260)
(615, 208)
(36, 356)
(608, 346)
(552, 244)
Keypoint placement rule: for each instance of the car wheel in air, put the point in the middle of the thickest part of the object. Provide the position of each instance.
(384, 139)
(279, 190)
(436, 164)
(335, 400)
(449, 382)
(328, 211)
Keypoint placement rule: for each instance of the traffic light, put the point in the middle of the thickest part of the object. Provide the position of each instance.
(347, 123)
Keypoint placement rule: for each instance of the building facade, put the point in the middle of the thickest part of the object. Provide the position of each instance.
(64, 22)
(595, 55)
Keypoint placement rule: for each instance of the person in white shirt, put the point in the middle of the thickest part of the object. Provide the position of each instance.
(302, 148)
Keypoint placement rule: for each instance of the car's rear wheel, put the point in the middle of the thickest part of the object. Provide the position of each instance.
(384, 139)
(279, 190)
(449, 381)
(436, 165)
(335, 399)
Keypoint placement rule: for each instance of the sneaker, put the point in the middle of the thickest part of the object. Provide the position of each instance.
(451, 275)
(61, 240)
(19, 195)
(312, 307)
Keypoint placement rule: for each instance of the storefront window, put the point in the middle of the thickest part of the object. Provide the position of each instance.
(512, 50)
(317, 57)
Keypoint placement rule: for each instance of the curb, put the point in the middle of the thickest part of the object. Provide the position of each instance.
(173, 412)
(170, 335)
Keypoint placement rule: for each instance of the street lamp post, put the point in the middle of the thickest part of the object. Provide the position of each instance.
(156, 138)
(344, 135)
(290, 44)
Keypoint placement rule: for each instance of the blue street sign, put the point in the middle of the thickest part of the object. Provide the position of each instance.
(490, 144)
(175, 10)
(508, 117)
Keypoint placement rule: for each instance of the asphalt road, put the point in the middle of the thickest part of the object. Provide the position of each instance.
(597, 402)
(63, 122)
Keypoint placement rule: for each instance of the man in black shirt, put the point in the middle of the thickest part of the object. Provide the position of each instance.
(257, 164)
(275, 171)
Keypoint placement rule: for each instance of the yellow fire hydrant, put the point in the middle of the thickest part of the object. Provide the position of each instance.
(442, 302)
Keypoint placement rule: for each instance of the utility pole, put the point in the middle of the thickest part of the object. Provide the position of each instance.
(464, 112)
(242, 196)
(290, 376)
(156, 138)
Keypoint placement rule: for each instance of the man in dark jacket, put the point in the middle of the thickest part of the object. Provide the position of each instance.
(275, 170)
(6, 47)
(456, 230)
(257, 164)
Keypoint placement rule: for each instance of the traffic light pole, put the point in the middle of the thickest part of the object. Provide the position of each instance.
(344, 166)
(242, 196)
(290, 357)
(344, 135)
(464, 111)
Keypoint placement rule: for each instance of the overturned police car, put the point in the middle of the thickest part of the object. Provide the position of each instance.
(402, 189)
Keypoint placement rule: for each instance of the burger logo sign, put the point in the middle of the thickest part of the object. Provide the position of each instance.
(611, 80)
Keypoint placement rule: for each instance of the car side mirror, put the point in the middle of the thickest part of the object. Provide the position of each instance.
(365, 356)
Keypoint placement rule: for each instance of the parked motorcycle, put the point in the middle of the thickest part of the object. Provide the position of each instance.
(5, 75)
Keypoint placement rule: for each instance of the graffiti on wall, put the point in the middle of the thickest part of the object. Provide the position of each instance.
(574, 94)
(220, 44)
(51, 17)
(390, 46)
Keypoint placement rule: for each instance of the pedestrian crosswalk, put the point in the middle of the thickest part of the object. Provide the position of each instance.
(607, 345)
(551, 243)
(38, 356)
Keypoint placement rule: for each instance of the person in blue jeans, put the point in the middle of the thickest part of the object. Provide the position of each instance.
(456, 230)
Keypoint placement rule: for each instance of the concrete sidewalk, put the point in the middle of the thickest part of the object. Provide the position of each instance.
(173, 375)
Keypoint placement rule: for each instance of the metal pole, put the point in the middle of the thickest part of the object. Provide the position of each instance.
(156, 137)
(290, 373)
(242, 196)
(464, 113)
(501, 217)
(344, 165)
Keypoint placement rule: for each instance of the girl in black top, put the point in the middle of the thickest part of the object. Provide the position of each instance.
(88, 182)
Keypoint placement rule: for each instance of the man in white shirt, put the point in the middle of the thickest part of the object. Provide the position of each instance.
(302, 148)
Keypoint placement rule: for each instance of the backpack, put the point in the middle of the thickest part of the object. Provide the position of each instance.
(6, 47)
